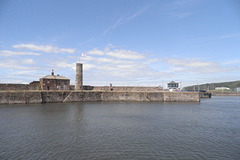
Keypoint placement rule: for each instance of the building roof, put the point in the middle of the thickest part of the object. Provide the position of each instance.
(171, 82)
(55, 77)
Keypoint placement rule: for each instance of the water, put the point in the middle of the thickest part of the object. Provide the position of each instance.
(124, 130)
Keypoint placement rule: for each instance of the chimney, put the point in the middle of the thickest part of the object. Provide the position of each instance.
(79, 77)
(52, 72)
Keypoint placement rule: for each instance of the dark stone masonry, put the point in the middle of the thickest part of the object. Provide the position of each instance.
(19, 87)
(25, 97)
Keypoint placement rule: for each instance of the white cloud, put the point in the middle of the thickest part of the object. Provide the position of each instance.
(118, 63)
(236, 61)
(95, 52)
(28, 61)
(105, 60)
(129, 66)
(24, 72)
(20, 64)
(46, 48)
(178, 69)
(100, 60)
(61, 64)
(153, 60)
(194, 66)
(86, 58)
(120, 54)
(125, 54)
(114, 65)
(188, 62)
(12, 64)
(107, 65)
(88, 66)
(16, 53)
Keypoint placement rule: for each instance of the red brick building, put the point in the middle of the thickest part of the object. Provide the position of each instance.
(54, 82)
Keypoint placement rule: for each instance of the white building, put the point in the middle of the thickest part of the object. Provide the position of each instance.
(173, 86)
(222, 88)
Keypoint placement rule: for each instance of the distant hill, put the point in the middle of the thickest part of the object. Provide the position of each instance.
(212, 86)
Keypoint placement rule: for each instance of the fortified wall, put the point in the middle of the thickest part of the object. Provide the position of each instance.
(19, 87)
(126, 88)
(25, 97)
(20, 97)
(36, 87)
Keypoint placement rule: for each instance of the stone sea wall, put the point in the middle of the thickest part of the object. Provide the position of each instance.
(18, 87)
(225, 93)
(132, 96)
(35, 85)
(11, 97)
(126, 88)
(70, 96)
(181, 97)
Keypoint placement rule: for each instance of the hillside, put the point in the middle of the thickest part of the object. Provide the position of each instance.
(212, 86)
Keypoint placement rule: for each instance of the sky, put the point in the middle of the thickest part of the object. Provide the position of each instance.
(123, 42)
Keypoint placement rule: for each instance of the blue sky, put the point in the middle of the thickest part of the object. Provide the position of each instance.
(126, 42)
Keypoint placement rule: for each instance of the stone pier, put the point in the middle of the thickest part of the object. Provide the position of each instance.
(24, 97)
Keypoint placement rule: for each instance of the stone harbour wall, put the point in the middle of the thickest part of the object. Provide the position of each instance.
(83, 96)
(132, 96)
(54, 96)
(225, 93)
(12, 97)
(181, 97)
(18, 87)
(126, 88)
(68, 96)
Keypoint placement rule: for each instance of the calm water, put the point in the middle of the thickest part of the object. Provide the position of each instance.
(206, 130)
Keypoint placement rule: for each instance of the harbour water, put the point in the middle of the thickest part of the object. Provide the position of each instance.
(123, 130)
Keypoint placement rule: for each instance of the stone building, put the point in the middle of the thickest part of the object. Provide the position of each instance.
(34, 85)
(54, 82)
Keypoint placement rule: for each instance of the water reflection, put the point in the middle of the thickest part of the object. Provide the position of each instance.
(206, 130)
